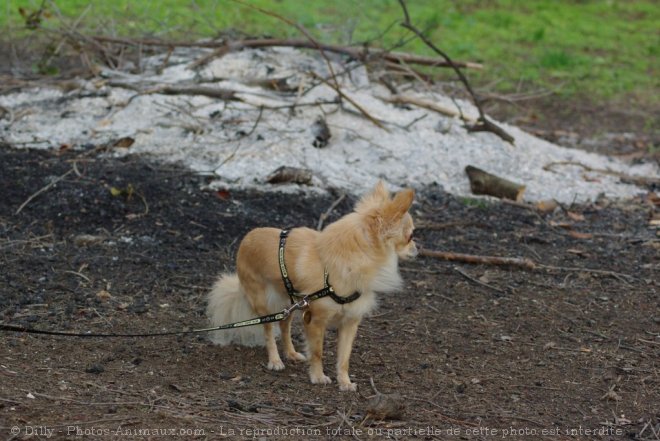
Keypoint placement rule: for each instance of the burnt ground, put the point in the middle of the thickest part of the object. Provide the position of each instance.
(473, 351)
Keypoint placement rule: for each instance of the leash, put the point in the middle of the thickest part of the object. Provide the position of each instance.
(270, 318)
(327, 290)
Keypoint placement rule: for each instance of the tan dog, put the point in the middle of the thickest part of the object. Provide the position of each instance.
(360, 252)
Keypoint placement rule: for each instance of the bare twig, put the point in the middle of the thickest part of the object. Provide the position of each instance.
(325, 215)
(419, 102)
(350, 100)
(44, 189)
(619, 276)
(483, 123)
(477, 281)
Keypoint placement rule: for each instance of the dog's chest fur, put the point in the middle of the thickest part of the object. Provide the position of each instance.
(387, 279)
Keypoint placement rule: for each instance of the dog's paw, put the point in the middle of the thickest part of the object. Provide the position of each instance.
(275, 365)
(295, 356)
(320, 379)
(348, 387)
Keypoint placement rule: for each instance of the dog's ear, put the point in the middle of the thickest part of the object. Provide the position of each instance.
(376, 198)
(401, 203)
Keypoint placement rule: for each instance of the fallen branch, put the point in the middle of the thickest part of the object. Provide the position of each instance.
(360, 53)
(521, 262)
(211, 92)
(483, 123)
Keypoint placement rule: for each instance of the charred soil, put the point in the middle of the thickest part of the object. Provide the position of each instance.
(470, 352)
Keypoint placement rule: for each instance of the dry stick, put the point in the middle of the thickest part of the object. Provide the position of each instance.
(43, 189)
(419, 102)
(477, 281)
(325, 215)
(350, 100)
(619, 276)
(211, 92)
(521, 262)
(484, 124)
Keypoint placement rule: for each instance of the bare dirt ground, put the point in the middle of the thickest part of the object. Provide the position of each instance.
(474, 352)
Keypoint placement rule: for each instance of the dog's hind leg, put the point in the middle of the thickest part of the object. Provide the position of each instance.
(289, 350)
(258, 296)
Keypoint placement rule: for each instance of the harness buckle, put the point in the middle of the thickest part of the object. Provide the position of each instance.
(301, 304)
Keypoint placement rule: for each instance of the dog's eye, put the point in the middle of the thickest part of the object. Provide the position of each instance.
(410, 238)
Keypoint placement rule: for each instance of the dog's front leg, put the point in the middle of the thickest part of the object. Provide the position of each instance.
(345, 337)
(315, 333)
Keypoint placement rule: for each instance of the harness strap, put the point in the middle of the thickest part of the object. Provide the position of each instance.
(327, 290)
(285, 275)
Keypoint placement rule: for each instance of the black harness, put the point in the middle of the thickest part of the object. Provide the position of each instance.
(327, 290)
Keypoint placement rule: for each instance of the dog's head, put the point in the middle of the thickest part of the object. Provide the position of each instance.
(389, 219)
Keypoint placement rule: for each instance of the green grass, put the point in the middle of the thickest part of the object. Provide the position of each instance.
(605, 49)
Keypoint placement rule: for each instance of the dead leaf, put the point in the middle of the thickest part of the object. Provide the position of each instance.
(577, 217)
(577, 252)
(547, 206)
(103, 296)
(566, 225)
(655, 220)
(83, 240)
(652, 199)
(124, 142)
(579, 235)
(611, 396)
(223, 194)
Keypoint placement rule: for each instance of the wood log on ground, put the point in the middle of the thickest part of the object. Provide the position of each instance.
(482, 182)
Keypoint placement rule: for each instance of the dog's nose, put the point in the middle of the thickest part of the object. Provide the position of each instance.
(415, 250)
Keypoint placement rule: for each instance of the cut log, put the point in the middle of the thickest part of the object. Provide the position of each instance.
(482, 182)
(286, 174)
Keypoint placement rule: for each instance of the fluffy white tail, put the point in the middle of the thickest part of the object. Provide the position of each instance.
(228, 304)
